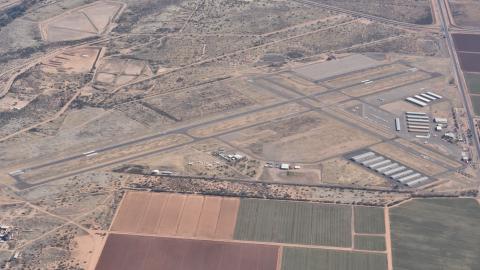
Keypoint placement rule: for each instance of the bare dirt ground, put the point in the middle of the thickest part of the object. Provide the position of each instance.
(82, 22)
(321, 137)
(465, 12)
(340, 171)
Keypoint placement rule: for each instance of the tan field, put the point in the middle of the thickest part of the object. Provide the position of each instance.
(82, 22)
(177, 215)
(245, 121)
(321, 137)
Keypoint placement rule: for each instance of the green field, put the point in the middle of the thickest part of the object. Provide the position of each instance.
(369, 219)
(294, 222)
(476, 104)
(473, 82)
(432, 234)
(319, 259)
(370, 242)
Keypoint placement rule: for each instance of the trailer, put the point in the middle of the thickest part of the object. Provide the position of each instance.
(440, 120)
(397, 124)
(418, 120)
(415, 113)
(424, 132)
(417, 117)
(416, 102)
(418, 126)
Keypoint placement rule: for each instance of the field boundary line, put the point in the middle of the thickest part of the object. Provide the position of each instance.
(141, 219)
(279, 258)
(402, 202)
(388, 239)
(180, 214)
(352, 224)
(199, 217)
(370, 234)
(222, 205)
(162, 212)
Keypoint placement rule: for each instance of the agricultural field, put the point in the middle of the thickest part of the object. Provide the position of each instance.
(476, 104)
(294, 222)
(317, 259)
(83, 22)
(473, 82)
(177, 215)
(369, 220)
(466, 42)
(170, 254)
(170, 223)
(436, 234)
(369, 242)
(469, 61)
(465, 12)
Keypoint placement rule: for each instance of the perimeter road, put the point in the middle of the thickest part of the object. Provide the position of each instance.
(456, 68)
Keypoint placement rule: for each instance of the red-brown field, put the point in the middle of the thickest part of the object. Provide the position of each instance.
(177, 215)
(151, 253)
(467, 42)
(469, 62)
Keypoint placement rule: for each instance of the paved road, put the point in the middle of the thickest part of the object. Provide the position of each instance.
(457, 70)
(369, 16)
